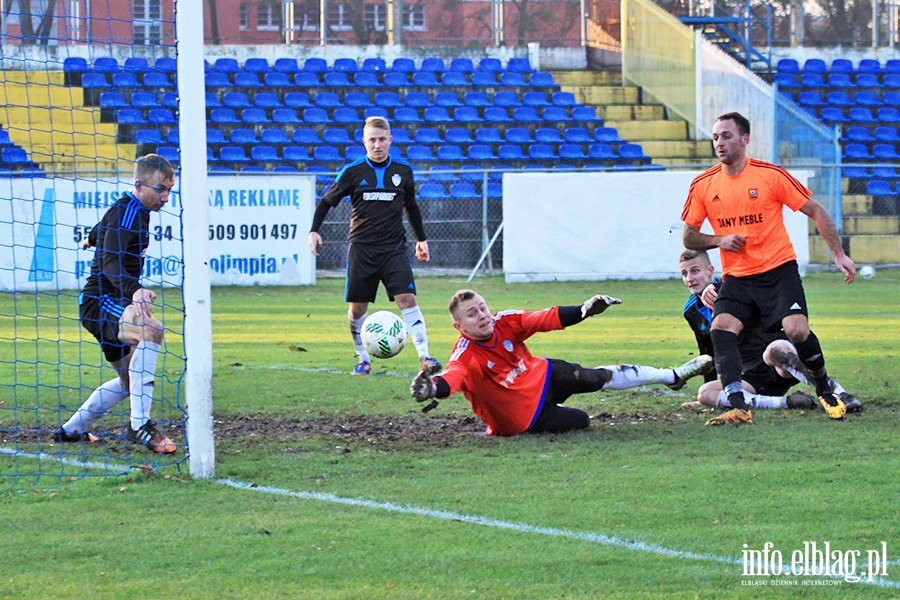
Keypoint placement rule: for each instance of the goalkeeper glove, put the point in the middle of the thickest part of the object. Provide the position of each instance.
(423, 388)
(597, 304)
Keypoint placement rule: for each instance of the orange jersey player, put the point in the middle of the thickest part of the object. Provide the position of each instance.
(513, 391)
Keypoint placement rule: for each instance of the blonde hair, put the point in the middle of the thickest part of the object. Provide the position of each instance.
(692, 254)
(457, 299)
(147, 165)
(378, 123)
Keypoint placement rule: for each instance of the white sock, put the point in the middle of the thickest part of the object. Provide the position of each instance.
(754, 400)
(142, 375)
(415, 324)
(355, 329)
(98, 403)
(629, 376)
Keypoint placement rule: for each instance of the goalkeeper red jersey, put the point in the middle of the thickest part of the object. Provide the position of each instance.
(504, 382)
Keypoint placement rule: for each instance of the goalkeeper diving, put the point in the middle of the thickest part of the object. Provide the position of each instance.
(514, 392)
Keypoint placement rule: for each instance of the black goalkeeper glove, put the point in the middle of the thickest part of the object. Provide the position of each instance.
(422, 389)
(597, 304)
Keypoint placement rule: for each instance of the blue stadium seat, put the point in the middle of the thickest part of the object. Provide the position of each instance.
(462, 65)
(813, 98)
(458, 135)
(323, 153)
(105, 64)
(375, 111)
(297, 100)
(315, 65)
(401, 136)
(536, 99)
(879, 187)
(584, 113)
(288, 66)
(262, 153)
(571, 152)
(277, 79)
(242, 136)
(450, 152)
(226, 65)
(161, 116)
(494, 190)
(354, 152)
(165, 64)
(266, 100)
(336, 136)
(366, 79)
(519, 64)
(854, 152)
(868, 80)
(315, 115)
(526, 114)
(374, 65)
(417, 100)
(327, 100)
(212, 100)
(558, 113)
(858, 133)
(428, 135)
(235, 100)
(447, 99)
(855, 172)
(432, 191)
(510, 152)
(223, 116)
(464, 191)
(128, 116)
(833, 114)
(425, 79)
(869, 65)
(786, 81)
(173, 137)
(886, 133)
(788, 65)
(541, 79)
(147, 136)
(632, 151)
(842, 65)
(233, 154)
(441, 172)
(602, 152)
(578, 135)
(274, 135)
(214, 79)
(346, 114)
(484, 79)
(518, 135)
(357, 100)
(215, 136)
(564, 99)
(815, 65)
(481, 152)
(404, 65)
(395, 79)
(404, 114)
(157, 80)
(840, 80)
(547, 135)
(506, 99)
(284, 169)
(497, 114)
(296, 154)
(336, 79)
(512, 79)
(867, 98)
(879, 173)
(388, 100)
(304, 79)
(170, 153)
(541, 152)
(124, 80)
(885, 152)
(455, 78)
(256, 65)
(472, 172)
(254, 116)
(437, 114)
(607, 135)
(491, 65)
(345, 65)
(433, 64)
(113, 100)
(94, 80)
(476, 99)
(813, 80)
(419, 152)
(252, 169)
(860, 114)
(888, 114)
(306, 136)
(488, 135)
(467, 114)
(75, 64)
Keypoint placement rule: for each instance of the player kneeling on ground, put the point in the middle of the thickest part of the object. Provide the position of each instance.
(514, 392)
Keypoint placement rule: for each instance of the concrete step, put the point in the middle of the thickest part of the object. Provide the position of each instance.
(80, 118)
(27, 94)
(637, 131)
(77, 152)
(877, 249)
(582, 78)
(105, 133)
(856, 204)
(88, 168)
(687, 150)
(632, 112)
(36, 77)
(695, 164)
(865, 225)
(606, 95)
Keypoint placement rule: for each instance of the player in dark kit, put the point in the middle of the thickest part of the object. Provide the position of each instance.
(119, 312)
(380, 188)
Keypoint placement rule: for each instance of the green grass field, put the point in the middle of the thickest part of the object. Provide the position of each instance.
(332, 486)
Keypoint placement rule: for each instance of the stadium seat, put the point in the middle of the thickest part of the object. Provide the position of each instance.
(558, 113)
(813, 99)
(437, 114)
(506, 99)
(113, 100)
(242, 136)
(462, 65)
(314, 115)
(297, 100)
(128, 116)
(214, 79)
(888, 114)
(346, 114)
(315, 65)
(476, 99)
(284, 169)
(886, 134)
(428, 135)
(494, 190)
(879, 187)
(512, 79)
(432, 191)
(788, 65)
(374, 65)
(571, 152)
(447, 99)
(395, 79)
(404, 114)
(450, 152)
(157, 80)
(510, 152)
(858, 133)
(212, 100)
(892, 65)
(454, 78)
(145, 136)
(296, 154)
(867, 98)
(366, 79)
(840, 80)
(855, 172)
(885, 152)
(336, 137)
(433, 64)
(425, 79)
(535, 99)
(418, 152)
(854, 152)
(173, 137)
(838, 98)
(813, 80)
(458, 135)
(105, 64)
(304, 79)
(287, 66)
(526, 114)
(235, 100)
(336, 79)
(472, 172)
(564, 99)
(215, 136)
(303, 135)
(879, 173)
(497, 114)
(842, 65)
(541, 79)
(488, 135)
(868, 80)
(786, 81)
(467, 114)
(286, 116)
(345, 65)
(815, 65)
(233, 154)
(441, 172)
(375, 111)
(161, 116)
(518, 135)
(266, 100)
(547, 135)
(256, 65)
(351, 153)
(401, 136)
(276, 79)
(541, 152)
(491, 65)
(324, 153)
(417, 100)
(404, 65)
(165, 64)
(327, 100)
(578, 135)
(357, 100)
(262, 153)
(519, 64)
(464, 191)
(869, 65)
(94, 80)
(388, 100)
(170, 153)
(124, 80)
(254, 116)
(226, 65)
(602, 152)
(484, 79)
(481, 152)
(75, 64)
(832, 114)
(584, 113)
(860, 114)
(274, 135)
(632, 151)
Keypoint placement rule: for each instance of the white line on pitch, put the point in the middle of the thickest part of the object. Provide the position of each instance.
(445, 515)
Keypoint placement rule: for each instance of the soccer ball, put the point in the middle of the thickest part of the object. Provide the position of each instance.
(383, 334)
(867, 272)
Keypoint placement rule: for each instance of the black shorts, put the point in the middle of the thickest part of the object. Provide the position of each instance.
(101, 317)
(369, 264)
(766, 380)
(565, 379)
(764, 299)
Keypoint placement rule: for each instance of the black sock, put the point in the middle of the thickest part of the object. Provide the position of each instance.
(728, 365)
(810, 352)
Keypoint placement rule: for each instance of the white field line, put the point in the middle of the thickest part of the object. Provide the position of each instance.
(584, 536)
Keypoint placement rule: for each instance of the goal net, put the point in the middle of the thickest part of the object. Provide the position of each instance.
(83, 98)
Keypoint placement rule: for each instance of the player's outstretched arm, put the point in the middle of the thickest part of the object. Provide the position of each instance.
(597, 304)
(423, 389)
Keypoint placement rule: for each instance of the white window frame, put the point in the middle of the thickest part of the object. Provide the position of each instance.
(244, 16)
(268, 16)
(341, 22)
(146, 28)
